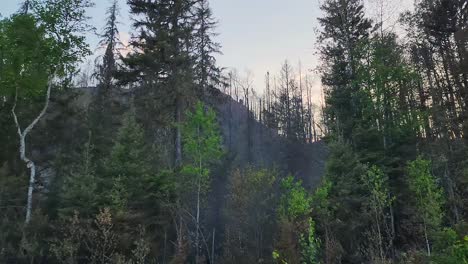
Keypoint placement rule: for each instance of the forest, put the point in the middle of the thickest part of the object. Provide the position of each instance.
(160, 155)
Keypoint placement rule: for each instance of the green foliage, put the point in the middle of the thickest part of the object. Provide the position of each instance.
(277, 257)
(377, 206)
(65, 22)
(428, 196)
(26, 57)
(376, 183)
(118, 196)
(251, 195)
(297, 239)
(79, 192)
(342, 51)
(249, 213)
(449, 247)
(130, 178)
(310, 245)
(38, 47)
(129, 152)
(296, 201)
(344, 218)
(202, 140)
(202, 143)
(320, 199)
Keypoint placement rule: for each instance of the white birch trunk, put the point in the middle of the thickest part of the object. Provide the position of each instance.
(22, 148)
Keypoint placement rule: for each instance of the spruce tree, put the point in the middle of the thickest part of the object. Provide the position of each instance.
(344, 31)
(162, 63)
(110, 40)
(128, 167)
(79, 191)
(104, 107)
(207, 73)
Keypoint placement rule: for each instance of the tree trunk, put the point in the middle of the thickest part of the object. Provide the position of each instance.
(428, 247)
(213, 247)
(178, 133)
(22, 135)
(197, 234)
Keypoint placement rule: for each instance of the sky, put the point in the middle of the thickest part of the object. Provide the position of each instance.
(257, 36)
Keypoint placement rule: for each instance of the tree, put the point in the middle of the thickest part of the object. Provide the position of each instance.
(346, 197)
(26, 67)
(162, 63)
(79, 190)
(128, 169)
(249, 229)
(65, 21)
(323, 213)
(109, 40)
(379, 203)
(310, 244)
(202, 147)
(105, 109)
(344, 30)
(206, 71)
(25, 7)
(428, 197)
(297, 241)
(44, 58)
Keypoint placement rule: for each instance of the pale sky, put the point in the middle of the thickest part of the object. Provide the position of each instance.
(256, 35)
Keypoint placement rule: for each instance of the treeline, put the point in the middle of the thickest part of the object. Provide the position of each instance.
(144, 175)
(395, 112)
(127, 174)
(286, 105)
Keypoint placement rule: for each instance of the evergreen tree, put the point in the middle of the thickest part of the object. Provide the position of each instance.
(161, 62)
(105, 107)
(207, 73)
(128, 167)
(344, 31)
(110, 40)
(346, 197)
(79, 190)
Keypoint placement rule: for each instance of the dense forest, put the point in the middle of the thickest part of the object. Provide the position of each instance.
(160, 155)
